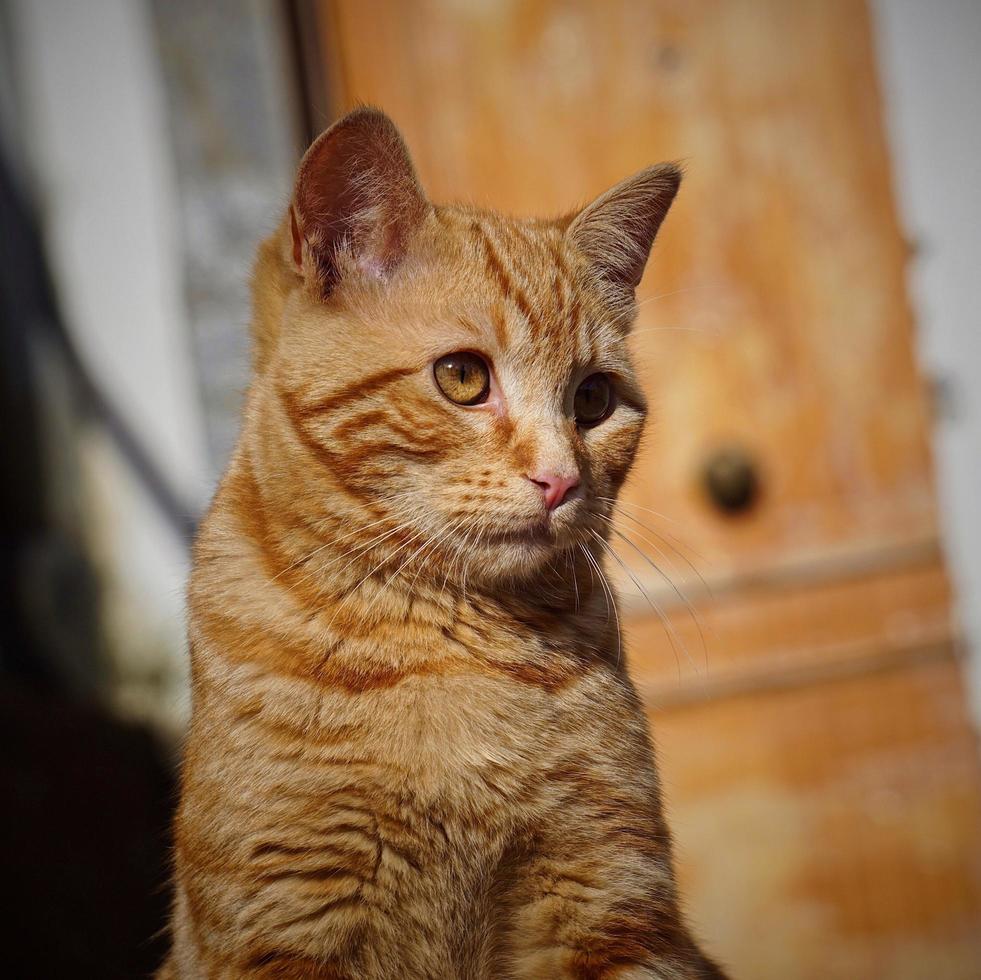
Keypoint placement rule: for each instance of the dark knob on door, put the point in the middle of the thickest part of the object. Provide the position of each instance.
(731, 479)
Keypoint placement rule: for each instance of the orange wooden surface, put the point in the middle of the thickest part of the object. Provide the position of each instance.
(772, 635)
(821, 771)
(832, 830)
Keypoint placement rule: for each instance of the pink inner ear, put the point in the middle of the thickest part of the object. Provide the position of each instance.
(373, 265)
(356, 193)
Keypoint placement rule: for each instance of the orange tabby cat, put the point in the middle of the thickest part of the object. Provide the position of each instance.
(414, 750)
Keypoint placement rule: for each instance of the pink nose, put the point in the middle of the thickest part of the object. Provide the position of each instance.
(555, 487)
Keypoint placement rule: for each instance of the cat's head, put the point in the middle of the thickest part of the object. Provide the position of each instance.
(455, 374)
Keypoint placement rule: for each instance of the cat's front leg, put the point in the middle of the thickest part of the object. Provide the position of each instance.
(559, 935)
(568, 937)
(596, 896)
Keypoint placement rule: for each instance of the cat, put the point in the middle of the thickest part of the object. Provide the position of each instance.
(414, 749)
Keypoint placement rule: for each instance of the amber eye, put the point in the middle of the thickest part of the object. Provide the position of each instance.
(594, 398)
(463, 377)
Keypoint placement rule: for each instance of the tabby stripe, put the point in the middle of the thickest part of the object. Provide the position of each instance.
(532, 249)
(500, 324)
(339, 466)
(392, 449)
(354, 392)
(255, 519)
(319, 968)
(356, 424)
(353, 425)
(284, 850)
(328, 873)
(349, 469)
(496, 268)
(564, 287)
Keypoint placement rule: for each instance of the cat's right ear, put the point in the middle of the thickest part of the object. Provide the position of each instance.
(357, 201)
(615, 233)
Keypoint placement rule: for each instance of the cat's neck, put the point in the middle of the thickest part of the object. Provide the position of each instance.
(278, 586)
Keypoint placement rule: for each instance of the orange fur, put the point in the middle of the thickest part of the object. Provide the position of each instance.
(414, 749)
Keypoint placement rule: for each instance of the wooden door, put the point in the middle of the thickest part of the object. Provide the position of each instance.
(821, 771)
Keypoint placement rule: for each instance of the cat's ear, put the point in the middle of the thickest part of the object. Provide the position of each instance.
(616, 231)
(357, 201)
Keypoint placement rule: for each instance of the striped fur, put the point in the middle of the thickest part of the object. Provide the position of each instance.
(414, 749)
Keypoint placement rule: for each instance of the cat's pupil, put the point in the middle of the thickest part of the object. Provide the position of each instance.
(593, 399)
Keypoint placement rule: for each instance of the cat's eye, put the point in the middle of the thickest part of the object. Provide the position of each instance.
(463, 377)
(594, 400)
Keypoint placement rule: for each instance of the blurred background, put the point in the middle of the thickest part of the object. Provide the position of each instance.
(810, 489)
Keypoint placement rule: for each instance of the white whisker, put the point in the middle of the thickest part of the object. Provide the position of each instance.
(611, 600)
(672, 634)
(667, 578)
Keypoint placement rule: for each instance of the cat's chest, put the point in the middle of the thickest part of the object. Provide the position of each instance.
(466, 740)
(456, 730)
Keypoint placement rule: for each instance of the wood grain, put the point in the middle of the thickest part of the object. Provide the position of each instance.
(831, 830)
(821, 768)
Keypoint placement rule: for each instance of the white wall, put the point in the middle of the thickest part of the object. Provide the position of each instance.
(99, 159)
(930, 66)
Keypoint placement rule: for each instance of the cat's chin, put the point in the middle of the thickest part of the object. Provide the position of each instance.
(513, 562)
(538, 535)
(519, 553)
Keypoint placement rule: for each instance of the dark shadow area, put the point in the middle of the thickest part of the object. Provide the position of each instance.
(87, 798)
(83, 841)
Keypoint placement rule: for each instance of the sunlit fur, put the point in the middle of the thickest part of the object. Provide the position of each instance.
(414, 750)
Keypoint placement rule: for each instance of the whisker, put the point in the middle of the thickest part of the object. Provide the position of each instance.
(647, 300)
(436, 540)
(678, 555)
(668, 328)
(316, 551)
(657, 568)
(661, 534)
(452, 529)
(356, 553)
(672, 634)
(358, 530)
(458, 551)
(365, 546)
(466, 564)
(426, 543)
(450, 563)
(692, 612)
(609, 592)
(354, 591)
(648, 510)
(684, 289)
(630, 503)
(569, 557)
(592, 583)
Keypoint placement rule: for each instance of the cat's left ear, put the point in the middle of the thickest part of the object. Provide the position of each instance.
(616, 231)
(357, 201)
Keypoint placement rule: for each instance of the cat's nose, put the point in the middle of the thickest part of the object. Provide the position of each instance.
(555, 487)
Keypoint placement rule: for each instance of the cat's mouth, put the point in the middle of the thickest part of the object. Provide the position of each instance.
(541, 531)
(538, 532)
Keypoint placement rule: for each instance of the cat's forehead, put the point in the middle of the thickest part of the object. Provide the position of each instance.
(531, 289)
